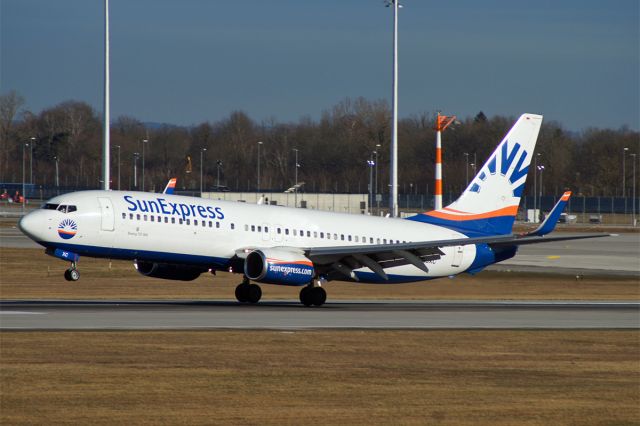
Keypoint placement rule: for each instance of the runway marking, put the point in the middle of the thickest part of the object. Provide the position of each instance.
(20, 313)
(553, 257)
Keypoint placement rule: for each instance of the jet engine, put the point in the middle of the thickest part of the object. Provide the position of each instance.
(168, 271)
(278, 266)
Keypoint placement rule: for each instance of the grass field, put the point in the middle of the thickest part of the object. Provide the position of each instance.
(318, 377)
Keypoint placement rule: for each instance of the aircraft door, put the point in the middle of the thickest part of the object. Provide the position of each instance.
(108, 216)
(458, 252)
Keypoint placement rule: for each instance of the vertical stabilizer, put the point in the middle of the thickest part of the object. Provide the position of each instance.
(490, 203)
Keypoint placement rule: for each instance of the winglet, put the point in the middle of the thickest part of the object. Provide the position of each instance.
(171, 185)
(551, 220)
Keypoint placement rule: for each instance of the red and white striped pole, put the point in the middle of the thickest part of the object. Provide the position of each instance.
(442, 122)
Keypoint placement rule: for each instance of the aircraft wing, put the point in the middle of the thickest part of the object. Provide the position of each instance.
(344, 260)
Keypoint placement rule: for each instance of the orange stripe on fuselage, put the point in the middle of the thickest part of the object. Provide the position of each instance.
(507, 211)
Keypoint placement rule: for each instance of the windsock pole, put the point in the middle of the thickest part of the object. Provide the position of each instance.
(442, 122)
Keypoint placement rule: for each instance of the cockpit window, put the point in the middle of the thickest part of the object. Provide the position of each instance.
(50, 206)
(63, 208)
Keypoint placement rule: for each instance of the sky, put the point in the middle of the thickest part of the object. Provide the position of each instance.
(188, 61)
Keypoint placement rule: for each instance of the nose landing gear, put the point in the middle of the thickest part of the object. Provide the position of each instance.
(72, 274)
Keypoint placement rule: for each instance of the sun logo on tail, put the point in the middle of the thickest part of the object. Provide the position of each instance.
(67, 229)
(502, 164)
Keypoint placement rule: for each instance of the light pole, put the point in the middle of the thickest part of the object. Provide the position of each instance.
(33, 141)
(535, 188)
(466, 167)
(371, 164)
(259, 145)
(118, 146)
(202, 151)
(57, 179)
(633, 193)
(135, 170)
(393, 202)
(219, 165)
(541, 169)
(295, 188)
(144, 142)
(624, 192)
(375, 183)
(23, 176)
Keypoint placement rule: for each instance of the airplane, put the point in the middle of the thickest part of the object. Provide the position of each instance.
(179, 238)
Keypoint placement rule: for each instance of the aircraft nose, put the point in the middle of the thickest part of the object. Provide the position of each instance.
(29, 225)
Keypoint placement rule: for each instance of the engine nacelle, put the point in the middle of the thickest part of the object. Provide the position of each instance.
(167, 271)
(277, 266)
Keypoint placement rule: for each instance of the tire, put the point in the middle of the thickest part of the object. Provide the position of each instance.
(254, 293)
(241, 293)
(319, 296)
(67, 275)
(74, 274)
(305, 296)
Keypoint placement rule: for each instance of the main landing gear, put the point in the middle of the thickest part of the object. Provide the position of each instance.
(72, 273)
(247, 292)
(310, 295)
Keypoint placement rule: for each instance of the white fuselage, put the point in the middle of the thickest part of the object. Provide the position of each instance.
(178, 229)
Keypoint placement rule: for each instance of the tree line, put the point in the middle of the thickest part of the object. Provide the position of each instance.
(332, 151)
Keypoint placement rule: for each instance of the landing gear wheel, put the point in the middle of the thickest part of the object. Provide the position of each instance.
(319, 296)
(248, 293)
(305, 297)
(242, 293)
(313, 296)
(254, 293)
(71, 274)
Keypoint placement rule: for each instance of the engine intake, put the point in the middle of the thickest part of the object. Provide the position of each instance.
(168, 271)
(277, 266)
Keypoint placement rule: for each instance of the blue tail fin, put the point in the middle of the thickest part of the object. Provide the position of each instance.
(490, 203)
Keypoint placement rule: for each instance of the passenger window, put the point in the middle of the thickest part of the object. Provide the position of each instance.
(350, 237)
(286, 231)
(279, 231)
(124, 215)
(253, 228)
(233, 226)
(322, 235)
(173, 220)
(335, 236)
(188, 221)
(195, 222)
(308, 233)
(210, 224)
(259, 228)
(153, 219)
(295, 232)
(342, 237)
(384, 241)
(356, 238)
(315, 234)
(204, 223)
(137, 216)
(217, 224)
(266, 229)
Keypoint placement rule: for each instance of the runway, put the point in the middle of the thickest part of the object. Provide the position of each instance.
(290, 315)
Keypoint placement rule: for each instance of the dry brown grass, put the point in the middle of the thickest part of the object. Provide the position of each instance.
(318, 377)
(30, 274)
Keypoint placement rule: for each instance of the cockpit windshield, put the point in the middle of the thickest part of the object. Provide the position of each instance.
(63, 208)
